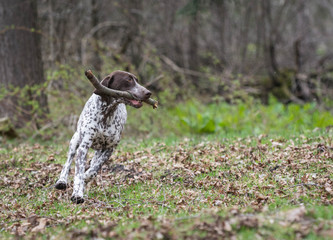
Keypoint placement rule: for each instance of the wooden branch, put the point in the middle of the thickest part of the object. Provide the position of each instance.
(90, 34)
(178, 69)
(112, 92)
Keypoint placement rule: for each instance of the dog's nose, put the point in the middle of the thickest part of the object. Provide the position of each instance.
(148, 94)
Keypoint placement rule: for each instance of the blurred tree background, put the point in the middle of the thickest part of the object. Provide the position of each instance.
(213, 51)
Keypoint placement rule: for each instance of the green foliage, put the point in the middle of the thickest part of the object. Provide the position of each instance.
(250, 118)
(195, 120)
(191, 8)
(222, 119)
(252, 48)
(26, 101)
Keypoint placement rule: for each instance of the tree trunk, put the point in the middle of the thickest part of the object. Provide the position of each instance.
(193, 42)
(222, 14)
(193, 56)
(96, 60)
(270, 43)
(51, 31)
(21, 66)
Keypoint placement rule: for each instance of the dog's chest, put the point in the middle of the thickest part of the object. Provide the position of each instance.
(110, 129)
(104, 128)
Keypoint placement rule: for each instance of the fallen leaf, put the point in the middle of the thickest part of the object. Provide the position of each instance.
(41, 225)
(295, 215)
(328, 188)
(327, 233)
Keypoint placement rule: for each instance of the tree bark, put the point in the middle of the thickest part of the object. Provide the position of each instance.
(193, 46)
(96, 60)
(222, 14)
(193, 42)
(21, 66)
(270, 43)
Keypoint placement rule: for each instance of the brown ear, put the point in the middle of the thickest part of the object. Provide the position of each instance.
(106, 82)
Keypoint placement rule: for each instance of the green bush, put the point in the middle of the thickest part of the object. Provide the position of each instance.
(68, 90)
(250, 118)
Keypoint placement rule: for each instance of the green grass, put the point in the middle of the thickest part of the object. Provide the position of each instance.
(188, 187)
(236, 170)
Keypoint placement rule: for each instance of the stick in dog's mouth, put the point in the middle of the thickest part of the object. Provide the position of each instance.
(116, 93)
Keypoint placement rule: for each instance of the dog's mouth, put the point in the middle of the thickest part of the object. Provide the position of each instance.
(135, 103)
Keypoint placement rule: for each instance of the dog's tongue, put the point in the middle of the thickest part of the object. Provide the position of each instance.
(136, 103)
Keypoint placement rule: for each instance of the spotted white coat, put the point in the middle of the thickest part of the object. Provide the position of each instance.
(99, 127)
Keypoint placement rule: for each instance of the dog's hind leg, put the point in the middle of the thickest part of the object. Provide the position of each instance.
(62, 181)
(100, 157)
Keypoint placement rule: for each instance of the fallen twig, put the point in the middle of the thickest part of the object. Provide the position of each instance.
(112, 92)
(304, 184)
(188, 217)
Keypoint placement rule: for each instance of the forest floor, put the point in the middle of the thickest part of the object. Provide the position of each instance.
(189, 188)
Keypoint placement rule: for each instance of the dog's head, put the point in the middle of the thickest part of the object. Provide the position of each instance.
(125, 81)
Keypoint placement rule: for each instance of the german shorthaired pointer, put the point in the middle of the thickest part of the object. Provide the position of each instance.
(99, 127)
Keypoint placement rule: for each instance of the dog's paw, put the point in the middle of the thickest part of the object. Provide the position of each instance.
(77, 199)
(60, 185)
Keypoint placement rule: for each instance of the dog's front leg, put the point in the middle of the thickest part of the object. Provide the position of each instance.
(81, 156)
(61, 184)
